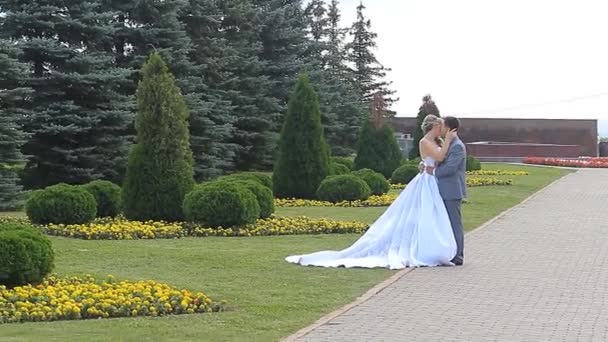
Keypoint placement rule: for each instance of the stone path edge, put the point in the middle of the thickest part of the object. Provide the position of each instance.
(380, 287)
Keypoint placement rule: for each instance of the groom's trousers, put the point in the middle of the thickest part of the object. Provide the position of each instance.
(455, 215)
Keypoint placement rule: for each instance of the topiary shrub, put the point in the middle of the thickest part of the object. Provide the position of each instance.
(303, 157)
(473, 164)
(348, 162)
(107, 195)
(263, 195)
(61, 204)
(343, 188)
(221, 204)
(26, 256)
(160, 169)
(404, 174)
(338, 169)
(257, 177)
(376, 181)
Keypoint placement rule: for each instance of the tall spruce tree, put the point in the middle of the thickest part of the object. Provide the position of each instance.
(369, 73)
(340, 106)
(428, 107)
(75, 116)
(378, 148)
(12, 137)
(303, 160)
(160, 171)
(285, 45)
(256, 110)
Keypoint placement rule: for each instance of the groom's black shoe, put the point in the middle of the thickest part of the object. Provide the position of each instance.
(458, 261)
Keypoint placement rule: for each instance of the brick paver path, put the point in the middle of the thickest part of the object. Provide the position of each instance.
(539, 273)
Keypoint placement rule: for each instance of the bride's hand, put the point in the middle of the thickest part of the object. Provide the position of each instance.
(450, 135)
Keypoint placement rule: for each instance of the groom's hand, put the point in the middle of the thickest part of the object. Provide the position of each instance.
(430, 169)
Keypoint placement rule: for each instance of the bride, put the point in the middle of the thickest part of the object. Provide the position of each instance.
(414, 231)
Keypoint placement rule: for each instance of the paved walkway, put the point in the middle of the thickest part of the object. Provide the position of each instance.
(538, 273)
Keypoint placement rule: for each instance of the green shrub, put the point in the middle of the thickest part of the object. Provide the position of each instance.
(303, 158)
(263, 195)
(404, 174)
(473, 164)
(378, 149)
(348, 162)
(107, 195)
(221, 204)
(160, 169)
(61, 204)
(376, 181)
(338, 169)
(343, 188)
(26, 256)
(257, 177)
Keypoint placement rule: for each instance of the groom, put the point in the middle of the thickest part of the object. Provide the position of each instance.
(452, 184)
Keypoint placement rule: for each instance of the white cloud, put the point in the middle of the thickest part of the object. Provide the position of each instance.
(480, 57)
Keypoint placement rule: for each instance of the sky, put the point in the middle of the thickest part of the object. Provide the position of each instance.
(491, 58)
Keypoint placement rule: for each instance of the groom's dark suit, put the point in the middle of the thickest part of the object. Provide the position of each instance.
(452, 187)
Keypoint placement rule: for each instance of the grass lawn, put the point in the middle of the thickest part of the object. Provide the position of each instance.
(267, 298)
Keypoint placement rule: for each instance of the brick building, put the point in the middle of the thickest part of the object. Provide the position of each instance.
(514, 139)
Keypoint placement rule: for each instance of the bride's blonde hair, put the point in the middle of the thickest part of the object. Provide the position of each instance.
(428, 123)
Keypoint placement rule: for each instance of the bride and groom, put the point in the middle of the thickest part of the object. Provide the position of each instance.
(423, 226)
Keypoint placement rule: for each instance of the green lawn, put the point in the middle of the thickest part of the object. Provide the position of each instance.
(267, 297)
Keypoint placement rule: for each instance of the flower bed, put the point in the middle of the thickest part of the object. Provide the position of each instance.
(497, 173)
(117, 229)
(122, 229)
(474, 182)
(600, 162)
(85, 298)
(283, 226)
(373, 201)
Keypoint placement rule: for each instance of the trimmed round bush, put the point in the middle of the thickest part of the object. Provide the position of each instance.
(61, 204)
(257, 177)
(376, 181)
(348, 162)
(343, 188)
(338, 169)
(473, 164)
(221, 204)
(404, 174)
(26, 255)
(263, 195)
(107, 195)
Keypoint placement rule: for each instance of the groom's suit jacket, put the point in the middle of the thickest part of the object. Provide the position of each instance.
(451, 172)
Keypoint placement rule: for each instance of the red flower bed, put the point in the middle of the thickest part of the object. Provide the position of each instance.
(580, 162)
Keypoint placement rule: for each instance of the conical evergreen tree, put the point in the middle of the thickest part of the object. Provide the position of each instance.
(378, 148)
(160, 171)
(428, 107)
(303, 153)
(12, 74)
(368, 71)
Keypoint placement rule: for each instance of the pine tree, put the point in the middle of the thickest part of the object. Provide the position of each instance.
(303, 153)
(378, 148)
(160, 171)
(75, 115)
(368, 71)
(428, 107)
(12, 74)
(256, 110)
(285, 46)
(340, 105)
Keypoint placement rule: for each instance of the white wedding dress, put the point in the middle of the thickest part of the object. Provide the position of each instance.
(414, 231)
